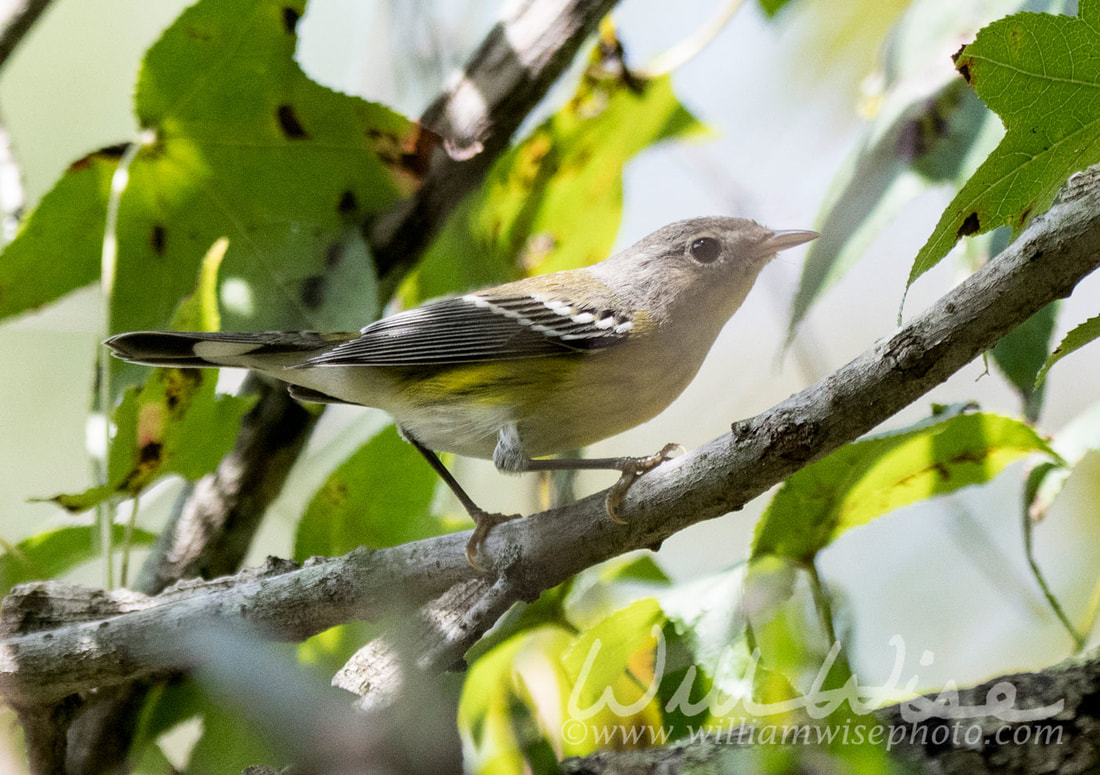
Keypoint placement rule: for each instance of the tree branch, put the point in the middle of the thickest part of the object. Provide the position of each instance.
(477, 115)
(1056, 251)
(19, 17)
(207, 536)
(512, 70)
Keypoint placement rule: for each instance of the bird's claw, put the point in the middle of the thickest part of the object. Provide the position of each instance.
(632, 469)
(483, 523)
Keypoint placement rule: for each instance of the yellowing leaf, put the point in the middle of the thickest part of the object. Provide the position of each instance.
(523, 670)
(869, 478)
(175, 422)
(608, 648)
(554, 201)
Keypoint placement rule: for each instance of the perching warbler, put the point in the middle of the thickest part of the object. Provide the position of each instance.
(525, 369)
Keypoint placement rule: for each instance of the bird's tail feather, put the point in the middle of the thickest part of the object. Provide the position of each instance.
(187, 349)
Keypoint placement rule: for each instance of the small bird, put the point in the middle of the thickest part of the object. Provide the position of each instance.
(521, 370)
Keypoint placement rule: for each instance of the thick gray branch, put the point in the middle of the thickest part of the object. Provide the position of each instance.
(1051, 257)
(478, 113)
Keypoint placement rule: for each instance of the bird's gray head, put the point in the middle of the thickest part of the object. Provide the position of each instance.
(705, 264)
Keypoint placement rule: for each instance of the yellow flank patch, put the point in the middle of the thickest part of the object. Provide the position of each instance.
(500, 383)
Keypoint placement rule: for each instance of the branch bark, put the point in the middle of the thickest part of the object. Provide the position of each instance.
(478, 112)
(45, 659)
(208, 536)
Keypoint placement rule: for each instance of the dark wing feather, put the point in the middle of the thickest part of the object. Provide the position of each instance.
(479, 328)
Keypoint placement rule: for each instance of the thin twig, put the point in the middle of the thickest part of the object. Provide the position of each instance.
(20, 18)
(1052, 600)
(822, 602)
(684, 51)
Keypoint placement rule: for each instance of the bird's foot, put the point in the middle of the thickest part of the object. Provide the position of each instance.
(633, 468)
(483, 523)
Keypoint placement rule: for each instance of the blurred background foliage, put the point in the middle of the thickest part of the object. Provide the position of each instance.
(283, 127)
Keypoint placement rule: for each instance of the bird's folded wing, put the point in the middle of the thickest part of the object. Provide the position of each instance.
(480, 327)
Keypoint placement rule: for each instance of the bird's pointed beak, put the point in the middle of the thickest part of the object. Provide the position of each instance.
(781, 240)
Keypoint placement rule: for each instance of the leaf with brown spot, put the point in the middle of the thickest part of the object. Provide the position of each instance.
(290, 19)
(245, 146)
(289, 123)
(1041, 74)
(347, 206)
(174, 422)
(969, 226)
(156, 239)
(313, 291)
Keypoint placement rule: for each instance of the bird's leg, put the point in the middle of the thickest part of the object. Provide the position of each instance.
(484, 521)
(509, 456)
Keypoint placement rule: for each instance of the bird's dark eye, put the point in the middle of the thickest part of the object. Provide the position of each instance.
(705, 249)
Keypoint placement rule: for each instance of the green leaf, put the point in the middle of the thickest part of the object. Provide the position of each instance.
(381, 496)
(925, 144)
(772, 7)
(520, 677)
(869, 478)
(1079, 437)
(48, 555)
(554, 201)
(1041, 74)
(230, 743)
(175, 422)
(794, 639)
(617, 639)
(241, 144)
(330, 650)
(58, 247)
(1073, 341)
(1020, 355)
(168, 706)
